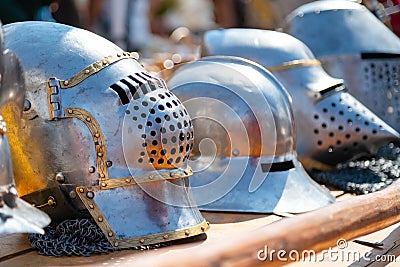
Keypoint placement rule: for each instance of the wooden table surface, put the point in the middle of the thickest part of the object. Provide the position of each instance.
(16, 251)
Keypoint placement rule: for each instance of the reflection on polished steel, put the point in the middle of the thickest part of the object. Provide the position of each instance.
(359, 48)
(101, 137)
(332, 126)
(16, 216)
(243, 157)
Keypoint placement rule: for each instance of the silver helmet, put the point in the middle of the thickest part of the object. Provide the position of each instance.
(243, 157)
(16, 215)
(359, 48)
(101, 138)
(332, 126)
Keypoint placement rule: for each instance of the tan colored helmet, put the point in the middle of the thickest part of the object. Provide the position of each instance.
(243, 157)
(332, 126)
(101, 137)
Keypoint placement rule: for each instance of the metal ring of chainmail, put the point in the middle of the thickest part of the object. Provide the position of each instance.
(79, 237)
(364, 175)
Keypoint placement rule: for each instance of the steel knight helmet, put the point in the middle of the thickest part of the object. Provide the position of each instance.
(359, 48)
(243, 157)
(332, 126)
(101, 137)
(16, 215)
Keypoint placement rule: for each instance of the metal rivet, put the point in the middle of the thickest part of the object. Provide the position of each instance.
(91, 206)
(110, 234)
(97, 135)
(141, 241)
(236, 152)
(72, 194)
(100, 154)
(166, 237)
(70, 111)
(105, 62)
(119, 54)
(208, 223)
(92, 169)
(27, 105)
(87, 71)
(187, 232)
(172, 174)
(100, 219)
(51, 201)
(60, 177)
(127, 180)
(102, 175)
(90, 194)
(103, 184)
(202, 228)
(81, 190)
(88, 119)
(116, 244)
(109, 163)
(66, 82)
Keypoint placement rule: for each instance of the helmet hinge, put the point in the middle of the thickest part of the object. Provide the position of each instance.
(54, 98)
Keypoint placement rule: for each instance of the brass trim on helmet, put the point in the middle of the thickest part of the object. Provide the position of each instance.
(96, 67)
(144, 178)
(105, 227)
(98, 139)
(295, 64)
(3, 127)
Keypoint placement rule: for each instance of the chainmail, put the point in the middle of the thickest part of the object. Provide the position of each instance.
(79, 237)
(364, 175)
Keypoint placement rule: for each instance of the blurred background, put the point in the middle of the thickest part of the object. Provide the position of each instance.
(168, 32)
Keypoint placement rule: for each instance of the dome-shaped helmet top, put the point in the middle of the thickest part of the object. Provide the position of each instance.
(245, 138)
(332, 126)
(101, 137)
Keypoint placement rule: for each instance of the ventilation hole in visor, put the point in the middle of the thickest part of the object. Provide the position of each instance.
(277, 166)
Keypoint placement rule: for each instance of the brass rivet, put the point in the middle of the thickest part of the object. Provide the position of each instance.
(202, 228)
(172, 174)
(88, 119)
(187, 232)
(109, 163)
(91, 206)
(208, 223)
(70, 111)
(110, 234)
(100, 154)
(97, 135)
(116, 244)
(103, 184)
(65, 82)
(127, 180)
(51, 201)
(81, 190)
(87, 71)
(105, 62)
(92, 169)
(90, 194)
(119, 54)
(102, 175)
(100, 219)
(166, 237)
(142, 241)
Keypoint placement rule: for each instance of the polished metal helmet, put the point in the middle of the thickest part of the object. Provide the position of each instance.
(101, 138)
(243, 157)
(332, 126)
(16, 215)
(359, 48)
